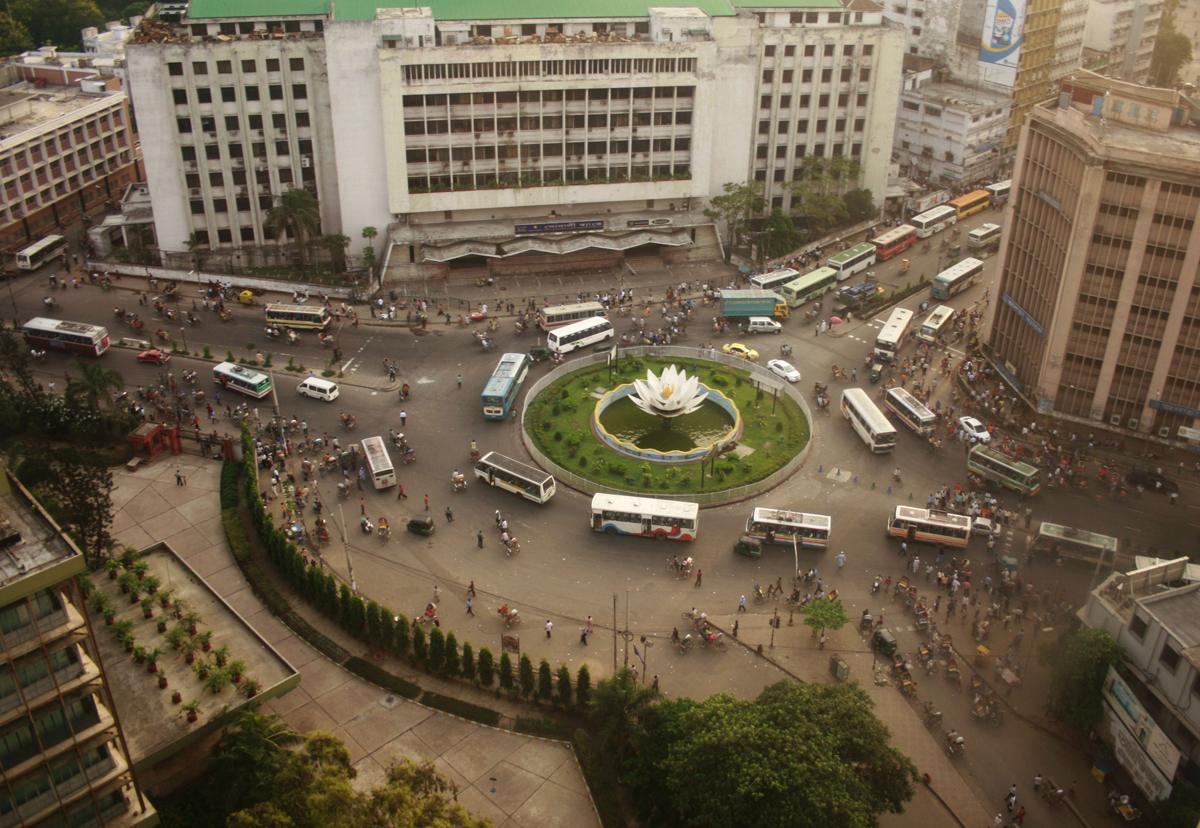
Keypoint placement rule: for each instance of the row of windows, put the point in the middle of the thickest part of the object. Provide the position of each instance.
(810, 50)
(75, 184)
(832, 18)
(506, 151)
(530, 69)
(249, 26)
(806, 75)
(1178, 222)
(1117, 210)
(76, 137)
(225, 67)
(233, 123)
(547, 176)
(52, 724)
(785, 101)
(550, 122)
(63, 774)
(32, 668)
(102, 153)
(622, 93)
(1184, 190)
(229, 93)
(782, 127)
(224, 236)
(23, 613)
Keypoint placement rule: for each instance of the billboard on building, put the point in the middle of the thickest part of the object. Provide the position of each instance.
(1141, 746)
(1000, 43)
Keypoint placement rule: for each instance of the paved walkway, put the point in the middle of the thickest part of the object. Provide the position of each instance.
(516, 781)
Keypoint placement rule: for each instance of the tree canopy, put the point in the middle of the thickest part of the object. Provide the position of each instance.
(798, 755)
(56, 22)
(14, 35)
(1172, 51)
(821, 614)
(736, 206)
(1077, 669)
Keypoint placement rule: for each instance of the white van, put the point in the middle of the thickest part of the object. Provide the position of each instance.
(763, 324)
(318, 389)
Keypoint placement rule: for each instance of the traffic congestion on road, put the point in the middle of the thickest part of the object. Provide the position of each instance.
(391, 445)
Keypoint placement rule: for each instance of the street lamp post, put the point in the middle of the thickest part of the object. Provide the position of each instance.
(646, 645)
(183, 334)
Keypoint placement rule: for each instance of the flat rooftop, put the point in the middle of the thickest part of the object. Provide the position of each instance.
(960, 96)
(1177, 148)
(24, 107)
(29, 544)
(1178, 611)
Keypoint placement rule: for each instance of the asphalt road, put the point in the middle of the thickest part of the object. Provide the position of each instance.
(566, 573)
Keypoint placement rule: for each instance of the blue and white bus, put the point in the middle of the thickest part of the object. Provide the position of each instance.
(503, 386)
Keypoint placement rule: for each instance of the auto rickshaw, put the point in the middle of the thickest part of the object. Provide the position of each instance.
(748, 546)
(246, 297)
(884, 642)
(905, 264)
(539, 353)
(876, 372)
(420, 525)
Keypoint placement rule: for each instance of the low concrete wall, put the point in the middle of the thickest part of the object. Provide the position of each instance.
(703, 498)
(201, 278)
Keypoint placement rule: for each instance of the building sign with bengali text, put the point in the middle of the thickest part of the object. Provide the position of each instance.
(557, 227)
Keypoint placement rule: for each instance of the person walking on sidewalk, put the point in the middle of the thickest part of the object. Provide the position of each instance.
(426, 501)
(479, 538)
(741, 603)
(449, 515)
(403, 417)
(549, 627)
(699, 576)
(470, 604)
(841, 559)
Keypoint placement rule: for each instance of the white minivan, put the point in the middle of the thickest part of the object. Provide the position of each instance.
(318, 389)
(763, 324)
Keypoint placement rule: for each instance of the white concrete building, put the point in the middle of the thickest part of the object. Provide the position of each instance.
(1127, 31)
(109, 43)
(1068, 41)
(948, 133)
(491, 130)
(931, 25)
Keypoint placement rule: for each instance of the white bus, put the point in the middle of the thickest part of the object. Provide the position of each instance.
(910, 410)
(929, 526)
(984, 237)
(556, 315)
(774, 279)
(61, 335)
(645, 516)
(379, 463)
(934, 220)
(38, 253)
(932, 328)
(783, 526)
(298, 316)
(241, 379)
(955, 279)
(579, 334)
(512, 475)
(870, 423)
(853, 260)
(891, 335)
(999, 191)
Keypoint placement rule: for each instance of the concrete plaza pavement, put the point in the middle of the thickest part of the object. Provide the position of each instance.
(517, 781)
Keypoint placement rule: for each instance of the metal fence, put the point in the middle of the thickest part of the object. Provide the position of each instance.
(587, 486)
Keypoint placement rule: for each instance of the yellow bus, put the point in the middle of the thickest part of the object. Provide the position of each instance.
(971, 203)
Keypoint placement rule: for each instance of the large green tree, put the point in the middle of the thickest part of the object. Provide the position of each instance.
(1078, 665)
(736, 206)
(56, 22)
(824, 615)
(94, 384)
(296, 214)
(14, 35)
(799, 755)
(1172, 51)
(778, 236)
(616, 705)
(76, 487)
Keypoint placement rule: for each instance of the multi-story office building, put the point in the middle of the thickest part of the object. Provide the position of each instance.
(63, 759)
(468, 130)
(1068, 40)
(1033, 83)
(66, 144)
(1098, 315)
(1126, 30)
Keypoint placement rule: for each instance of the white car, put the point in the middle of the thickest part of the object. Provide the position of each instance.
(975, 430)
(783, 368)
(985, 527)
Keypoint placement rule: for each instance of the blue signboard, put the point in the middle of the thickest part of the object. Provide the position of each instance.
(1175, 408)
(1026, 317)
(558, 227)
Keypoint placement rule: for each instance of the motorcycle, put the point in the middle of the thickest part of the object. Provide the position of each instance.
(48, 301)
(348, 421)
(272, 332)
(409, 456)
(956, 745)
(458, 482)
(292, 337)
(510, 615)
(365, 524)
(385, 529)
(38, 356)
(878, 582)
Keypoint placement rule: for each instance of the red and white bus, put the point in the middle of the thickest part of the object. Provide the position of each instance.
(894, 241)
(72, 337)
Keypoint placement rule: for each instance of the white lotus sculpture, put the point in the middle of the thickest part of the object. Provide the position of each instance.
(671, 394)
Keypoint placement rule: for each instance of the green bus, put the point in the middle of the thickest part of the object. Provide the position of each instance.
(812, 285)
(1009, 473)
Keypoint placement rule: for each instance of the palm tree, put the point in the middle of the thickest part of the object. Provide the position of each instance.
(295, 212)
(336, 244)
(616, 706)
(369, 233)
(94, 383)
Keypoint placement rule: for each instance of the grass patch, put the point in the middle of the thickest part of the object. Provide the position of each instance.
(559, 421)
(377, 675)
(474, 712)
(548, 728)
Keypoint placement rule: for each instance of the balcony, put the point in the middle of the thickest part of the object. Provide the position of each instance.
(68, 791)
(42, 691)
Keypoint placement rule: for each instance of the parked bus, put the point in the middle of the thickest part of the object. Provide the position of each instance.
(870, 423)
(298, 316)
(38, 253)
(504, 385)
(984, 237)
(986, 462)
(556, 315)
(934, 220)
(910, 411)
(854, 260)
(894, 241)
(783, 526)
(645, 516)
(72, 337)
(933, 327)
(955, 279)
(579, 334)
(1070, 543)
(775, 279)
(503, 472)
(929, 526)
(891, 335)
(999, 191)
(810, 286)
(241, 379)
(970, 203)
(379, 463)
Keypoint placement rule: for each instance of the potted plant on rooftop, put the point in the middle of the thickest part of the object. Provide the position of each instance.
(164, 598)
(218, 680)
(152, 657)
(221, 655)
(148, 607)
(151, 583)
(113, 567)
(190, 620)
(139, 569)
(250, 688)
(192, 709)
(204, 639)
(236, 670)
(176, 636)
(126, 583)
(99, 603)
